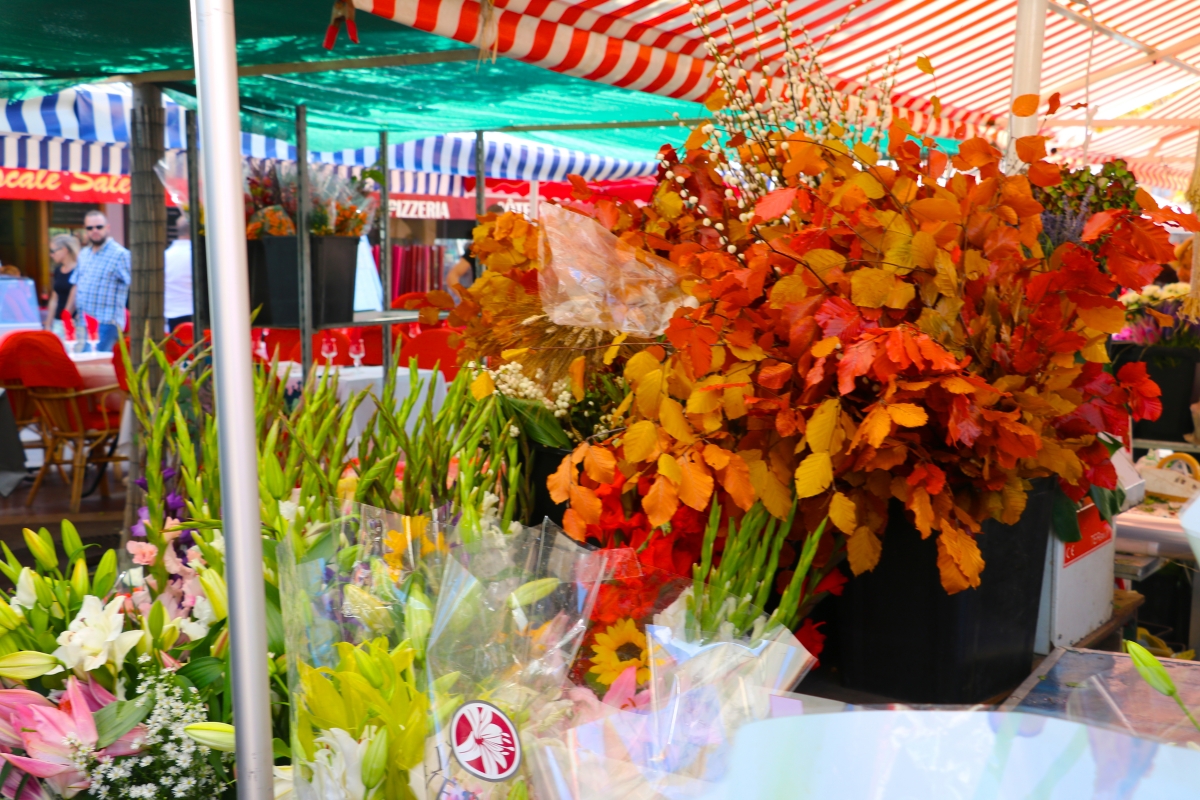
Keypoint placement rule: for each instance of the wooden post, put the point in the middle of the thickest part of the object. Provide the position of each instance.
(200, 313)
(147, 220)
(385, 245)
(303, 266)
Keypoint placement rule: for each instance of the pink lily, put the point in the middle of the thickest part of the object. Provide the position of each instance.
(10, 701)
(51, 735)
(32, 790)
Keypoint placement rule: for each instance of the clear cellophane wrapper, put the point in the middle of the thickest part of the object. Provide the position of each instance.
(670, 734)
(592, 279)
(357, 583)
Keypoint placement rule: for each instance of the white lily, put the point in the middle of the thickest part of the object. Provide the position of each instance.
(337, 767)
(285, 787)
(95, 637)
(202, 618)
(26, 596)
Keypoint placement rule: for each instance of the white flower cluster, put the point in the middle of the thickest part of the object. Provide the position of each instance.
(511, 381)
(169, 764)
(1154, 294)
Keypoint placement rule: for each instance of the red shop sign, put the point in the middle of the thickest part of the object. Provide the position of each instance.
(66, 187)
(1095, 533)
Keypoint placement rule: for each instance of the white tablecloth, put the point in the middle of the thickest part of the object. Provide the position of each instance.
(354, 379)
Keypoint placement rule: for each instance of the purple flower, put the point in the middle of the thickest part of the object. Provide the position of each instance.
(174, 503)
(138, 529)
(141, 483)
(168, 474)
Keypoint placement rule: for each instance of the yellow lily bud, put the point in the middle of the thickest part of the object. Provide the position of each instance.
(375, 760)
(418, 620)
(529, 593)
(10, 618)
(216, 592)
(357, 602)
(217, 735)
(369, 669)
(45, 555)
(25, 665)
(79, 578)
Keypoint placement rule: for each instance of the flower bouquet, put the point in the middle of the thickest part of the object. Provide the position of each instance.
(1153, 317)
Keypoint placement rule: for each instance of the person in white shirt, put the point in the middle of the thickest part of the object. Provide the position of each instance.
(177, 280)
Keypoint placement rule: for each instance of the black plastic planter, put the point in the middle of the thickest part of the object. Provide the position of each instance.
(1174, 370)
(901, 636)
(543, 463)
(274, 283)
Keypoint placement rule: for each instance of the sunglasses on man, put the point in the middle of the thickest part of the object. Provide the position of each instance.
(94, 227)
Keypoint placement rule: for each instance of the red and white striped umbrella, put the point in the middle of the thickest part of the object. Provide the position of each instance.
(1135, 59)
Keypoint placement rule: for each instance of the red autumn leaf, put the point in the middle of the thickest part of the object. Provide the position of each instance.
(1097, 225)
(774, 376)
(775, 204)
(1055, 102)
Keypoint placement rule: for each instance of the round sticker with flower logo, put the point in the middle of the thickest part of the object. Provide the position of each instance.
(485, 741)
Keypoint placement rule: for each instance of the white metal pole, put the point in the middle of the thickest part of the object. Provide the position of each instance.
(213, 43)
(1027, 65)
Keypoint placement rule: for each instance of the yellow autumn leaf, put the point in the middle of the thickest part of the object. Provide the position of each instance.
(819, 431)
(716, 101)
(702, 402)
(826, 346)
(790, 289)
(1059, 460)
(667, 465)
(957, 385)
(670, 414)
(901, 294)
(936, 102)
(1096, 352)
(924, 249)
(668, 203)
(924, 65)
(907, 415)
(611, 352)
(1105, 320)
(814, 475)
(508, 355)
(751, 353)
(774, 495)
(975, 265)
(870, 286)
(863, 550)
(482, 386)
(946, 279)
(866, 154)
(575, 372)
(641, 441)
(876, 427)
(821, 260)
(637, 366)
(870, 185)
(623, 407)
(843, 513)
(650, 393)
(959, 560)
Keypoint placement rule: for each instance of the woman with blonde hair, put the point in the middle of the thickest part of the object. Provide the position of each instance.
(64, 252)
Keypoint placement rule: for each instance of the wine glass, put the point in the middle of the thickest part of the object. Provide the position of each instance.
(358, 350)
(328, 350)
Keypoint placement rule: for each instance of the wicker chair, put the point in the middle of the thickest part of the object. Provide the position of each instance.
(83, 420)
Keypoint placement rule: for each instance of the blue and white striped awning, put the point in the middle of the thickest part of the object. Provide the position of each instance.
(90, 116)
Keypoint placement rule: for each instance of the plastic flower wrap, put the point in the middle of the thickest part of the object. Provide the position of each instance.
(593, 279)
(510, 615)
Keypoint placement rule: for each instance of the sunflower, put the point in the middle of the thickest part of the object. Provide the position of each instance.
(620, 647)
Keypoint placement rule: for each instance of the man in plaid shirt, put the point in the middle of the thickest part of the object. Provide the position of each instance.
(102, 280)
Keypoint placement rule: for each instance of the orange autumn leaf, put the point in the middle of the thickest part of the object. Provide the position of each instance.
(1031, 148)
(1026, 105)
(922, 510)
(585, 503)
(907, 415)
(1043, 174)
(1105, 320)
(716, 457)
(924, 64)
(600, 465)
(736, 480)
(935, 209)
(661, 502)
(863, 549)
(641, 441)
(875, 428)
(575, 371)
(826, 346)
(696, 486)
(559, 483)
(716, 101)
(959, 561)
(574, 525)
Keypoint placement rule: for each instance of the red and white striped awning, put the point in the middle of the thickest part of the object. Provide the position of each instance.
(1142, 56)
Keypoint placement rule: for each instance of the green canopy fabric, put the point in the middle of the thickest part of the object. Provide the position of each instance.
(50, 46)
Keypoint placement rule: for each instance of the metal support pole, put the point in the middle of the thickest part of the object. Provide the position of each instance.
(480, 188)
(1027, 65)
(385, 244)
(199, 268)
(303, 243)
(214, 45)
